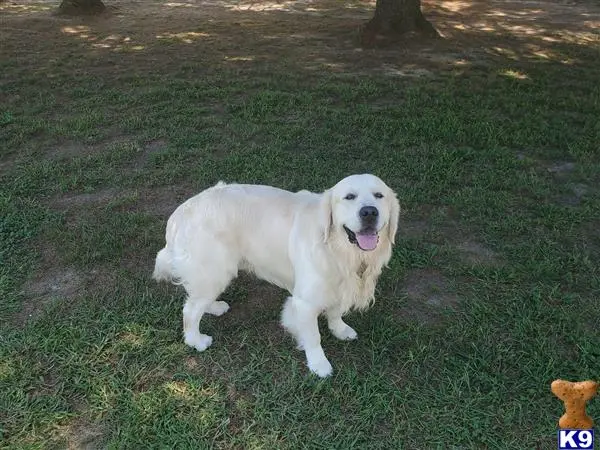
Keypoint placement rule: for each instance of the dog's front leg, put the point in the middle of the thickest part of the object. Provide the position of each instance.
(300, 318)
(337, 326)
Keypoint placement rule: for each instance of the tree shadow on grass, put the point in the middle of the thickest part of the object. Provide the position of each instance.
(304, 37)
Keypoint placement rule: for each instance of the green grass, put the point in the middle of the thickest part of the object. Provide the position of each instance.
(468, 153)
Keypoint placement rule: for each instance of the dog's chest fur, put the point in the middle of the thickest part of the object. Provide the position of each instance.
(356, 276)
(361, 269)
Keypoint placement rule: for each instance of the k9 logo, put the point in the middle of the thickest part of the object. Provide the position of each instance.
(575, 439)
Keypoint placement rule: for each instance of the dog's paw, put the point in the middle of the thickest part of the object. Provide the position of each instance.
(218, 308)
(320, 367)
(200, 342)
(344, 332)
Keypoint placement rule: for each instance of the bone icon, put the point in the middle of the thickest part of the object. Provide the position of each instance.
(574, 395)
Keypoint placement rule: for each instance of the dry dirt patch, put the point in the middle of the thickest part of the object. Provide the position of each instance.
(159, 201)
(150, 148)
(428, 295)
(69, 201)
(412, 229)
(56, 284)
(477, 254)
(260, 299)
(72, 149)
(578, 192)
(82, 435)
(560, 168)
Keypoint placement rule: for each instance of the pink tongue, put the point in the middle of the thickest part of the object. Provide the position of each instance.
(367, 241)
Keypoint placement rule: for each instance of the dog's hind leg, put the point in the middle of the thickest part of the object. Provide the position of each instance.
(193, 311)
(202, 294)
(197, 304)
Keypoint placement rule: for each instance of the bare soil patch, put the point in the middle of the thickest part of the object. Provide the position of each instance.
(73, 149)
(55, 284)
(428, 295)
(412, 228)
(82, 435)
(7, 164)
(261, 300)
(150, 148)
(440, 227)
(69, 201)
(578, 192)
(476, 253)
(159, 201)
(162, 201)
(561, 167)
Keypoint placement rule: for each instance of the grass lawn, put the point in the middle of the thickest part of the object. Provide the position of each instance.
(490, 137)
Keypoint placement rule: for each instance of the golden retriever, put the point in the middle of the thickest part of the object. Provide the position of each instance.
(326, 249)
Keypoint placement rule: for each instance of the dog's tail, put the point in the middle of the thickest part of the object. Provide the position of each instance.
(162, 268)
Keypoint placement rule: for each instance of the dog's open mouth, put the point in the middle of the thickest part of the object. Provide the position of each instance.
(366, 239)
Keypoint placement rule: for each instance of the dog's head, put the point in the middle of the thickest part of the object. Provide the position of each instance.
(363, 208)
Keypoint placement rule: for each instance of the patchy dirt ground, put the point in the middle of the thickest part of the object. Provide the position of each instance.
(52, 285)
(57, 284)
(160, 202)
(427, 293)
(477, 254)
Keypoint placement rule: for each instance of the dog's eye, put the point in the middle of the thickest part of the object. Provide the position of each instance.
(378, 195)
(350, 197)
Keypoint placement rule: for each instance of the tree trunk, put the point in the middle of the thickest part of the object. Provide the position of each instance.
(394, 18)
(81, 7)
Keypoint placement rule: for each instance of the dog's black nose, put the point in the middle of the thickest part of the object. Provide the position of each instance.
(368, 212)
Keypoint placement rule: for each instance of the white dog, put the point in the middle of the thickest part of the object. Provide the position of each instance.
(326, 249)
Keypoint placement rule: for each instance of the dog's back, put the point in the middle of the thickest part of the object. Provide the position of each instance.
(249, 223)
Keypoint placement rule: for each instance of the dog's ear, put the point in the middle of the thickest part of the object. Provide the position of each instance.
(325, 214)
(394, 216)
